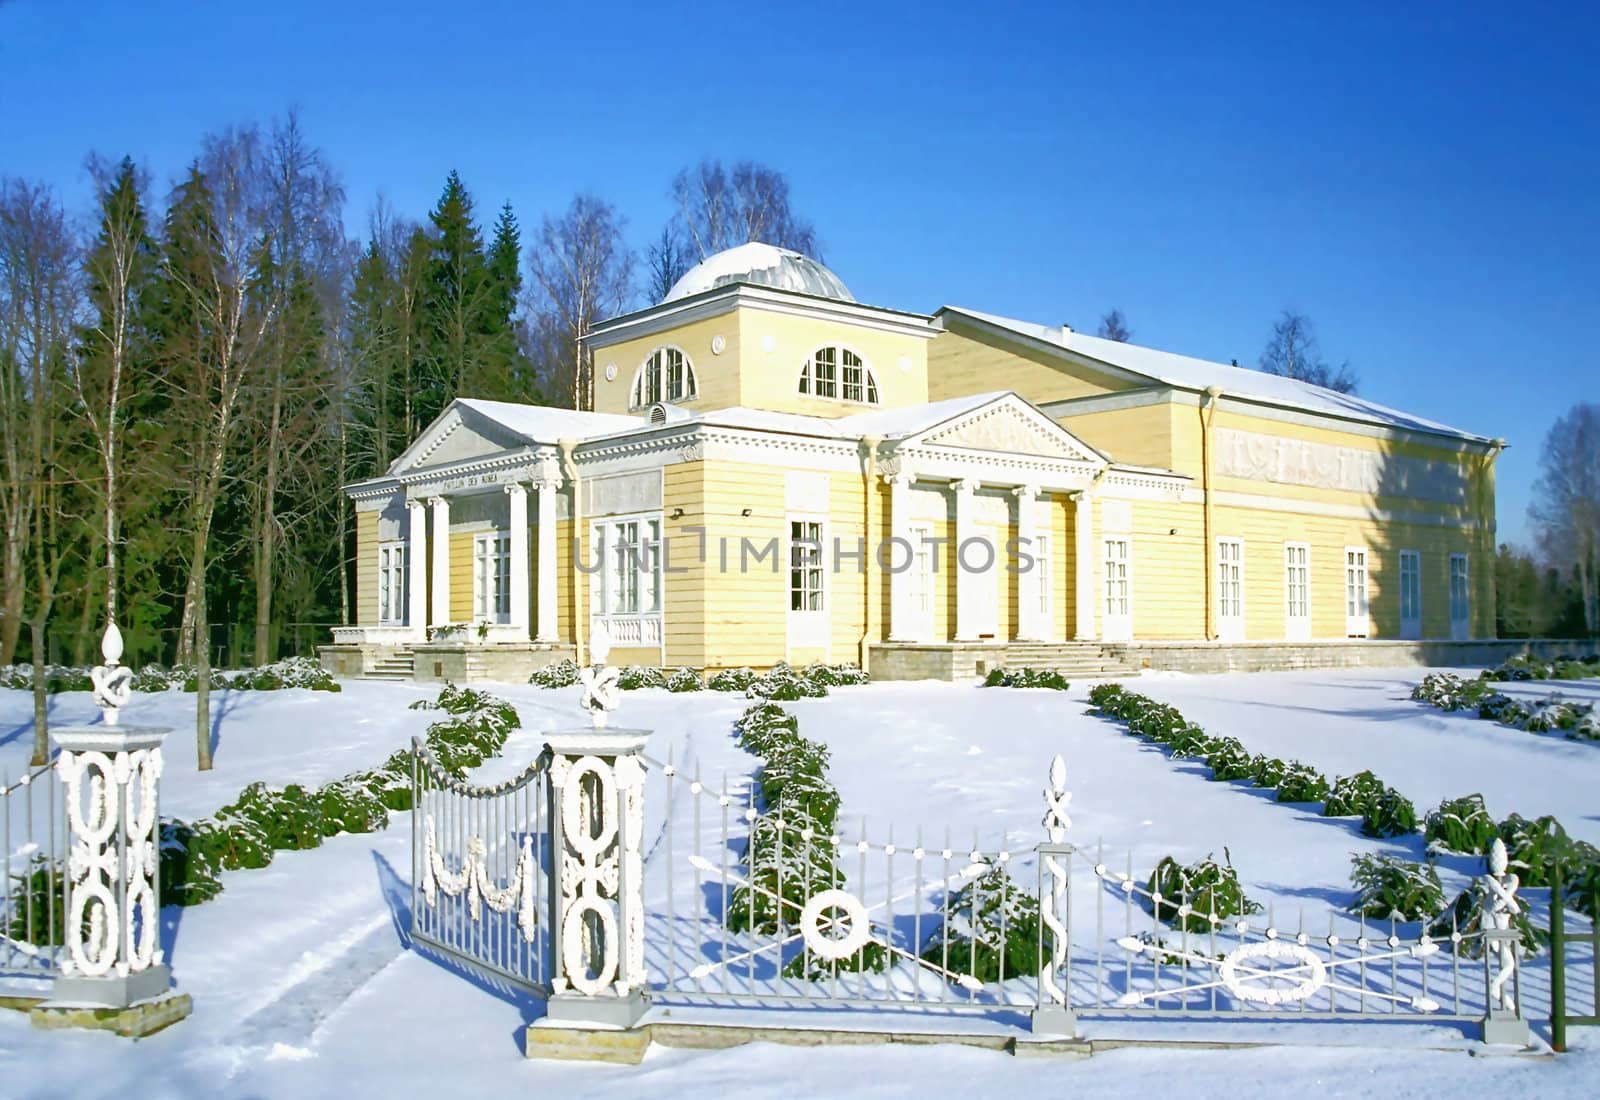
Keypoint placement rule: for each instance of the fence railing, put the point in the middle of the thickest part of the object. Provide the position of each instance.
(33, 840)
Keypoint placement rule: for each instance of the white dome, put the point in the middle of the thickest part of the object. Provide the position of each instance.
(761, 265)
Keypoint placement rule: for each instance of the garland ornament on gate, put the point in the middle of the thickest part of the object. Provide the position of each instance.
(474, 881)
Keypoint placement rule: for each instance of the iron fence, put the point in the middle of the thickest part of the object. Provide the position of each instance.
(33, 839)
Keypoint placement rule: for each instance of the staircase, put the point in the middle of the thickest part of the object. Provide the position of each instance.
(1075, 660)
(402, 665)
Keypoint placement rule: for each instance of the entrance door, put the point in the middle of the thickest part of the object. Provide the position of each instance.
(1230, 590)
(808, 593)
(1297, 591)
(1460, 599)
(1356, 618)
(1410, 594)
(1118, 607)
(919, 580)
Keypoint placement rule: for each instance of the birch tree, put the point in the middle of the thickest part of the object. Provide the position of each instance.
(1565, 511)
(581, 272)
(720, 208)
(1292, 352)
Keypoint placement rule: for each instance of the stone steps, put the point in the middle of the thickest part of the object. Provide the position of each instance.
(400, 666)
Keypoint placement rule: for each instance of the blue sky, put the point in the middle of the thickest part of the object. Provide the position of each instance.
(1421, 183)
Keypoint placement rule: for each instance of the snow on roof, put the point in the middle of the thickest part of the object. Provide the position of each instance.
(762, 265)
(897, 423)
(1189, 373)
(544, 424)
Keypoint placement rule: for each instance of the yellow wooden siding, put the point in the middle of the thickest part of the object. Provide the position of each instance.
(460, 576)
(770, 379)
(1167, 571)
(746, 600)
(847, 606)
(968, 362)
(564, 550)
(367, 568)
(1141, 436)
(1063, 563)
(716, 376)
(683, 603)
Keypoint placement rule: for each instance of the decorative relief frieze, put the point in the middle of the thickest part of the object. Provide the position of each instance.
(1260, 457)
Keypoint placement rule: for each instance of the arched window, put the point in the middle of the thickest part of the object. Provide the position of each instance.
(666, 376)
(839, 374)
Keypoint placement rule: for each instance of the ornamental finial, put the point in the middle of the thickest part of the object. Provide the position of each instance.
(112, 682)
(602, 689)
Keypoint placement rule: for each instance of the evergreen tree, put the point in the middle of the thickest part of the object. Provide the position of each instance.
(459, 304)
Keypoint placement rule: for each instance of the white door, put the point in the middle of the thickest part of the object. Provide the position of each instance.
(1410, 594)
(1297, 591)
(1230, 590)
(1044, 588)
(1356, 619)
(1117, 609)
(919, 579)
(1460, 599)
(985, 588)
(808, 597)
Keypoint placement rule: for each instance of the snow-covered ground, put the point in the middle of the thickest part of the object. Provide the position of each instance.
(303, 985)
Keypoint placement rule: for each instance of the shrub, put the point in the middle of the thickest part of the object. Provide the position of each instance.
(188, 872)
(782, 862)
(1026, 678)
(1460, 825)
(732, 679)
(1190, 741)
(1384, 811)
(1533, 847)
(231, 841)
(564, 673)
(684, 679)
(1464, 917)
(829, 676)
(1553, 714)
(1157, 722)
(1583, 888)
(1387, 887)
(1227, 759)
(636, 677)
(1190, 896)
(38, 907)
(1496, 705)
(350, 806)
(1268, 771)
(991, 925)
(1302, 783)
(1588, 727)
(1102, 694)
(1450, 692)
(784, 684)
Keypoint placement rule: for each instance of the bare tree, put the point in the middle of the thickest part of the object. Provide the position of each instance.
(1114, 326)
(718, 209)
(1565, 510)
(1292, 352)
(581, 272)
(666, 259)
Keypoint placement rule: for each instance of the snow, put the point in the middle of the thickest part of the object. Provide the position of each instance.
(1189, 373)
(762, 264)
(547, 424)
(304, 985)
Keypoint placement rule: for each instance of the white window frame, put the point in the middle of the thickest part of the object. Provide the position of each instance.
(1230, 604)
(394, 574)
(1046, 584)
(806, 579)
(627, 592)
(1297, 575)
(491, 576)
(920, 580)
(841, 362)
(1357, 592)
(667, 374)
(1460, 598)
(1117, 621)
(1410, 594)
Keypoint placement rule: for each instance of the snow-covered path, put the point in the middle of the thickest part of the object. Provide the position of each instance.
(304, 987)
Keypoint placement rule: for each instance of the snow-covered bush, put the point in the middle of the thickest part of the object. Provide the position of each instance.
(991, 928)
(845, 675)
(291, 672)
(188, 867)
(1228, 759)
(564, 673)
(1384, 811)
(1302, 783)
(1460, 825)
(1190, 741)
(636, 677)
(1553, 714)
(1268, 771)
(1588, 727)
(1464, 917)
(1534, 847)
(1102, 695)
(350, 805)
(1026, 678)
(1450, 692)
(732, 679)
(1157, 722)
(1388, 887)
(684, 679)
(56, 678)
(1197, 897)
(783, 684)
(38, 910)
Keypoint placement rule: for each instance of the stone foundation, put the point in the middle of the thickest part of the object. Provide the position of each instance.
(503, 662)
(134, 1022)
(355, 660)
(1355, 653)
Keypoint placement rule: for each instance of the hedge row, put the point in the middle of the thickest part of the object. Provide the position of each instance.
(1448, 692)
(291, 672)
(782, 683)
(1525, 666)
(1026, 678)
(1384, 811)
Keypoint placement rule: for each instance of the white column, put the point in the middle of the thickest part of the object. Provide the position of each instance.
(441, 560)
(417, 568)
(517, 510)
(966, 582)
(1029, 628)
(1084, 563)
(901, 628)
(547, 629)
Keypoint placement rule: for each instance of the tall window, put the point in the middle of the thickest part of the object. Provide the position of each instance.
(1410, 586)
(1046, 582)
(667, 375)
(1355, 592)
(632, 573)
(491, 577)
(1230, 578)
(392, 582)
(840, 374)
(1460, 596)
(1297, 580)
(1117, 596)
(805, 565)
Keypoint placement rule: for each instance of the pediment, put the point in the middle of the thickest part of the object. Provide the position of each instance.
(1011, 426)
(458, 435)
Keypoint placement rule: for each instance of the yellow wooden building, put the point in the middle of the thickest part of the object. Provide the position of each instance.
(776, 472)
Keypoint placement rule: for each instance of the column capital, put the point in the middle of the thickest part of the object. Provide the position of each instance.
(439, 500)
(966, 485)
(898, 477)
(416, 502)
(514, 487)
(1025, 492)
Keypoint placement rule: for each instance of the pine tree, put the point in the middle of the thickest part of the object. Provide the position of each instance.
(458, 303)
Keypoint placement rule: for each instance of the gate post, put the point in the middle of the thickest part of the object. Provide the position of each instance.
(1053, 1014)
(112, 974)
(597, 880)
(1502, 1022)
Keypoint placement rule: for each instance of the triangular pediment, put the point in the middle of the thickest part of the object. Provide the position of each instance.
(458, 435)
(1010, 425)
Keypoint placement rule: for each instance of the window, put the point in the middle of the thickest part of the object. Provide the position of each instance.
(1297, 579)
(1460, 597)
(1355, 592)
(839, 374)
(631, 577)
(392, 582)
(491, 577)
(805, 565)
(667, 375)
(1046, 581)
(1230, 578)
(1117, 578)
(1410, 593)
